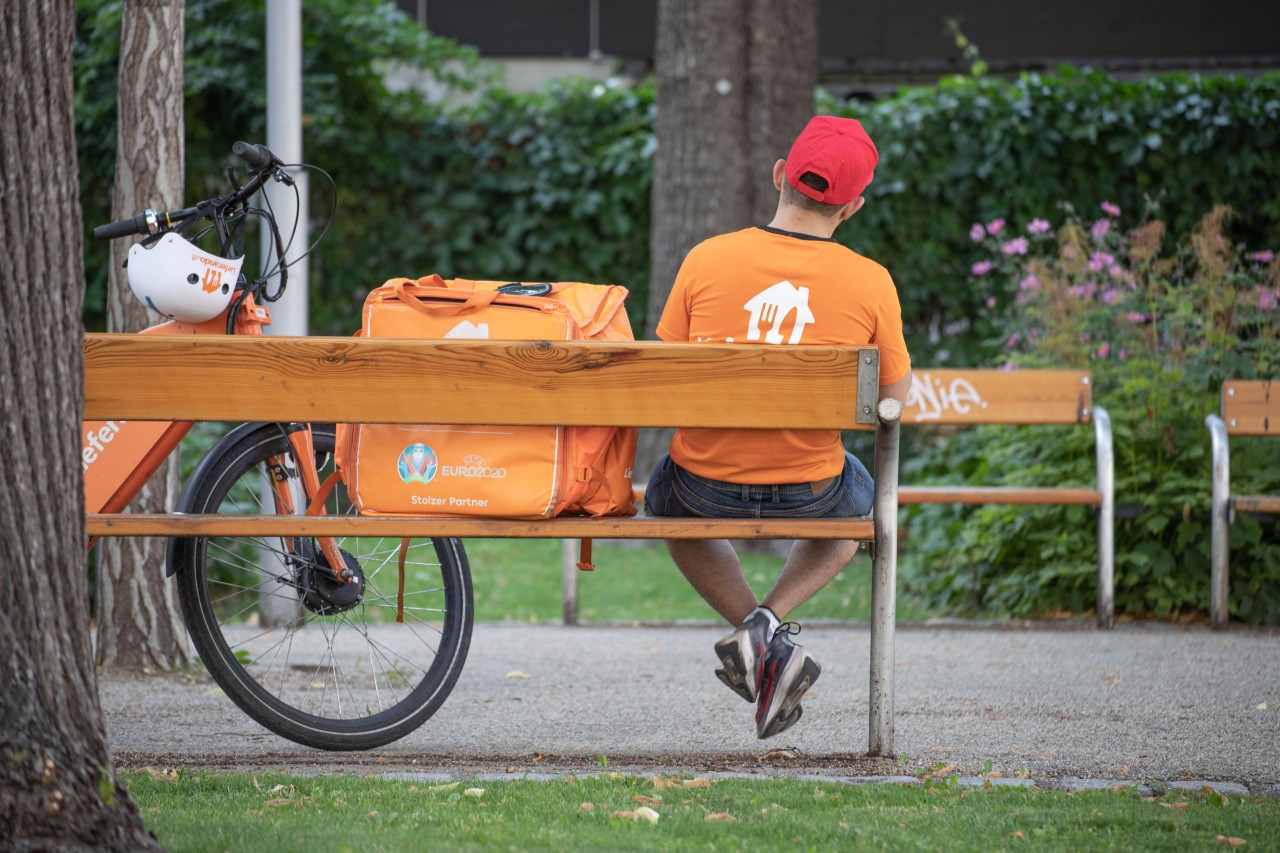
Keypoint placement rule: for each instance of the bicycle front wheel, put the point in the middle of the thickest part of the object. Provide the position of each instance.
(338, 667)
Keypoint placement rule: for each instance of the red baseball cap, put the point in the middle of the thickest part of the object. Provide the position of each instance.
(839, 151)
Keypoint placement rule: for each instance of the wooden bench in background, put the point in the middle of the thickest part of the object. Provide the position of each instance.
(1249, 408)
(959, 398)
(643, 384)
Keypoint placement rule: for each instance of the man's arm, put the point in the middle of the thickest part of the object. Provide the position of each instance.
(897, 390)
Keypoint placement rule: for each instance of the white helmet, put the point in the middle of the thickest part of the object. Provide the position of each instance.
(182, 281)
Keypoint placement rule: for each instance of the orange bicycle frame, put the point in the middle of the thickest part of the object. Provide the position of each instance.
(118, 457)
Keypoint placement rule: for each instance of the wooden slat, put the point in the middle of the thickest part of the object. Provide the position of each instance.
(1251, 407)
(318, 379)
(138, 524)
(998, 397)
(995, 495)
(1256, 503)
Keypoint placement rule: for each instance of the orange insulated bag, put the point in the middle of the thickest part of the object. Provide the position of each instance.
(493, 471)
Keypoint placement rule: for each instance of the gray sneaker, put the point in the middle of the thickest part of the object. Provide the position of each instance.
(741, 653)
(788, 672)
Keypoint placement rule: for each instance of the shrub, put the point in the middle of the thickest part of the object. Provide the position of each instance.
(1159, 331)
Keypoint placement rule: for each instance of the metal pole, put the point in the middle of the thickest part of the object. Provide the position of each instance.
(884, 569)
(284, 138)
(569, 581)
(1219, 514)
(1106, 604)
(289, 314)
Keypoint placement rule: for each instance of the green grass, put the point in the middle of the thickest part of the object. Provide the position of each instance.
(280, 813)
(520, 579)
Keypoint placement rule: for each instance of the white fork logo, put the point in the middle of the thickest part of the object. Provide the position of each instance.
(772, 305)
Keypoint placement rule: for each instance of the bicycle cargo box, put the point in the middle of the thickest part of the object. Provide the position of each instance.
(493, 471)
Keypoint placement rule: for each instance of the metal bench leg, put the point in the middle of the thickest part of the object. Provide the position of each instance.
(569, 581)
(1219, 514)
(884, 570)
(1106, 604)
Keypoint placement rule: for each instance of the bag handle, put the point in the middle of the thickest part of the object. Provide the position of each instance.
(477, 300)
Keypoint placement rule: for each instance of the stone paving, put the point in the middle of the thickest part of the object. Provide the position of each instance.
(1151, 706)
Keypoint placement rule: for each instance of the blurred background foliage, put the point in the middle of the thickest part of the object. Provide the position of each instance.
(555, 186)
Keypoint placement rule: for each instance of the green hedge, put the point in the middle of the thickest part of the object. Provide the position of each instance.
(972, 150)
(556, 184)
(1158, 332)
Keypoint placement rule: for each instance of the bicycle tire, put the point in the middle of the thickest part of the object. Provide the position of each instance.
(353, 679)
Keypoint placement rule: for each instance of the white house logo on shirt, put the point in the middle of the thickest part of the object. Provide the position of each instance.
(772, 305)
(468, 329)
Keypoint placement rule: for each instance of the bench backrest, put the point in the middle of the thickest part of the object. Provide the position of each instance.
(1251, 406)
(998, 397)
(577, 383)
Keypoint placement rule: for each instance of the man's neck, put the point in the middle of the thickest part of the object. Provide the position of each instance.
(798, 221)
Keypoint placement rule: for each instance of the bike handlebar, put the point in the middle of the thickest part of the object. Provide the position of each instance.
(258, 158)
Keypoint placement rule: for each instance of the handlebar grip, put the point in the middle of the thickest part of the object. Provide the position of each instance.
(256, 157)
(124, 227)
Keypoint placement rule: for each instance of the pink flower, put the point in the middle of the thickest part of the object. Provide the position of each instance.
(1013, 341)
(995, 226)
(1136, 317)
(1083, 291)
(1008, 365)
(1100, 229)
(1110, 209)
(1110, 296)
(1265, 257)
(1117, 272)
(981, 268)
(1029, 283)
(1098, 260)
(991, 302)
(976, 233)
(1104, 350)
(1268, 299)
(1016, 246)
(1038, 226)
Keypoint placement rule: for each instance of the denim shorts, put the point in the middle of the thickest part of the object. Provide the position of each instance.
(676, 492)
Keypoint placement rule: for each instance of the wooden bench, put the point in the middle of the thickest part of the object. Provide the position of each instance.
(642, 384)
(959, 398)
(1249, 408)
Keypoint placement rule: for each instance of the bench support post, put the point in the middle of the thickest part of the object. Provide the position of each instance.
(1106, 600)
(569, 582)
(1219, 515)
(884, 570)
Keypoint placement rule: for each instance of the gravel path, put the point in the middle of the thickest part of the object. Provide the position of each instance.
(1144, 702)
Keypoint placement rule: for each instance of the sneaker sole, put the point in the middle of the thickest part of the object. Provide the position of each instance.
(801, 672)
(780, 723)
(732, 652)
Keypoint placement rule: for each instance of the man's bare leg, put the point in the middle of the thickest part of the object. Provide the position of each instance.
(714, 570)
(811, 565)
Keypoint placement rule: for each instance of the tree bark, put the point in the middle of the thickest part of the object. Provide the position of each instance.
(735, 84)
(58, 789)
(139, 623)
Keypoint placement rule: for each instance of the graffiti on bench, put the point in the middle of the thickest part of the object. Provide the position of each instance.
(930, 397)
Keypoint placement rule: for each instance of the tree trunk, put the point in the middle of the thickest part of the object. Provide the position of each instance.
(58, 789)
(735, 84)
(139, 624)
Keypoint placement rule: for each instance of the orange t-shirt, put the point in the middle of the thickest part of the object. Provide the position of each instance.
(762, 285)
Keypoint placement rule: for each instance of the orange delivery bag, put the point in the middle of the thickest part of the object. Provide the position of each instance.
(490, 471)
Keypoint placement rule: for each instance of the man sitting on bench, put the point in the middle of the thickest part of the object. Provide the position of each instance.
(787, 282)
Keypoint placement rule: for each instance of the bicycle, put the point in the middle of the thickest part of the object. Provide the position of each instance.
(378, 631)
